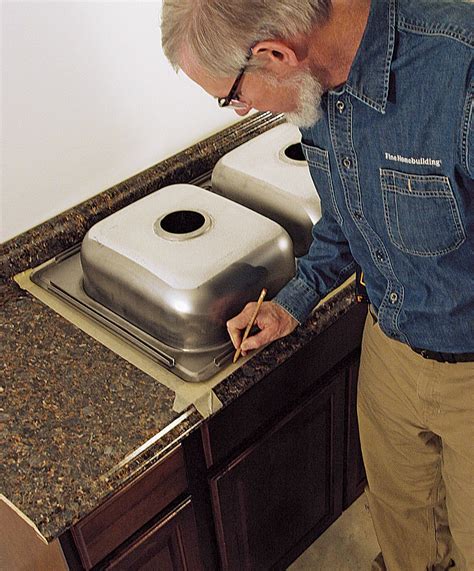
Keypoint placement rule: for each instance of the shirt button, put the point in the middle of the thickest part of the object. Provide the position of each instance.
(347, 163)
(340, 106)
(380, 257)
(393, 297)
(358, 215)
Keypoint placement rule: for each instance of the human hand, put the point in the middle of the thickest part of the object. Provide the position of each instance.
(272, 320)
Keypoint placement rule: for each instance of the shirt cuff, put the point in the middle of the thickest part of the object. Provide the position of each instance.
(297, 299)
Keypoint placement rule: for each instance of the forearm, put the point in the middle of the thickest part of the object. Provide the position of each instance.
(327, 264)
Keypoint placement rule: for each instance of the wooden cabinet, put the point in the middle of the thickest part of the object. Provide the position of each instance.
(284, 460)
(149, 524)
(285, 488)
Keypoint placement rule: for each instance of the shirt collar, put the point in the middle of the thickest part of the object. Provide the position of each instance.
(370, 72)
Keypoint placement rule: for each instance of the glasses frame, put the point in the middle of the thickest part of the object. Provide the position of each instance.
(232, 95)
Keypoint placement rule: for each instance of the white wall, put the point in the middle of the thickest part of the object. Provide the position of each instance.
(88, 100)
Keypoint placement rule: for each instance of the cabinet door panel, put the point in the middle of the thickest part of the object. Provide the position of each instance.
(285, 489)
(170, 545)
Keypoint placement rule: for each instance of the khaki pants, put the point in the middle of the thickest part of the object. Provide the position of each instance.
(416, 420)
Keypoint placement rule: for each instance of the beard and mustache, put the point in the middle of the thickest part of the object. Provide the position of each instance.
(308, 110)
(309, 92)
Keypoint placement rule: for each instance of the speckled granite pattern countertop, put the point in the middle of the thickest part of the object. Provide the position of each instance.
(72, 413)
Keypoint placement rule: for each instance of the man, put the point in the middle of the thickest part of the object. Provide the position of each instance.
(383, 93)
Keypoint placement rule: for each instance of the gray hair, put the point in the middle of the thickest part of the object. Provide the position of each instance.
(219, 33)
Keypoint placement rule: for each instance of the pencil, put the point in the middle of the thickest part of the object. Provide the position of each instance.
(250, 323)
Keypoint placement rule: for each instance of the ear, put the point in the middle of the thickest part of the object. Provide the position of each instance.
(277, 53)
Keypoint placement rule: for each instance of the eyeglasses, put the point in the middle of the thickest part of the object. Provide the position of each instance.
(232, 99)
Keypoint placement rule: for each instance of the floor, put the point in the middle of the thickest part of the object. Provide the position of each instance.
(348, 545)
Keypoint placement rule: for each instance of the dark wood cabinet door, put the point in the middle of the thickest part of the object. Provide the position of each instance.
(170, 545)
(355, 479)
(275, 498)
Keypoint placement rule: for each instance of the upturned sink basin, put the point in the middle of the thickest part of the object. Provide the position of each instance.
(182, 261)
(270, 175)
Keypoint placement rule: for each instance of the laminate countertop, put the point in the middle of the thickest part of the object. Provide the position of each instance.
(77, 421)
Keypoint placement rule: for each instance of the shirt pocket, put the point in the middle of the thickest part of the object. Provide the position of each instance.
(421, 213)
(318, 161)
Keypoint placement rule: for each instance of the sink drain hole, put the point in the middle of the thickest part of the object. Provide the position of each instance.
(182, 222)
(182, 225)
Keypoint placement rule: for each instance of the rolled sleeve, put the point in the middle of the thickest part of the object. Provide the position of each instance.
(297, 298)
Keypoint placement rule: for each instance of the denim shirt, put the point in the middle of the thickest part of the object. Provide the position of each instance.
(392, 159)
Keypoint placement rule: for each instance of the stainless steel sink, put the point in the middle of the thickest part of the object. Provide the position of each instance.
(269, 174)
(169, 270)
